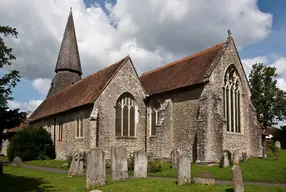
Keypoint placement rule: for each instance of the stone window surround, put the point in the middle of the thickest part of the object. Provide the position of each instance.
(237, 96)
(60, 133)
(153, 109)
(131, 102)
(79, 126)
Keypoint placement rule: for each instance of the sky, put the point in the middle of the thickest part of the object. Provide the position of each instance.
(153, 33)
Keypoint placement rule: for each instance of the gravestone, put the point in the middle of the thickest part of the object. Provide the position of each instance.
(96, 170)
(78, 164)
(140, 164)
(226, 160)
(265, 147)
(205, 178)
(119, 169)
(236, 157)
(278, 144)
(184, 170)
(174, 158)
(244, 156)
(237, 181)
(17, 162)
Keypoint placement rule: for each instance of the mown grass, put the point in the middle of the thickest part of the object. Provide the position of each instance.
(49, 163)
(21, 179)
(255, 169)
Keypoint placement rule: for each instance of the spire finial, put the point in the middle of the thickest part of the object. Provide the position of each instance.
(70, 9)
(229, 32)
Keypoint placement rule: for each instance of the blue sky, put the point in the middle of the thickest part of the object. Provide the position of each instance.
(41, 29)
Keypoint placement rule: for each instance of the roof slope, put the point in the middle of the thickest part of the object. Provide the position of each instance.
(83, 92)
(68, 58)
(185, 72)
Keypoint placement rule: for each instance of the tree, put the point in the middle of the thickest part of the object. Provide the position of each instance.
(267, 98)
(8, 118)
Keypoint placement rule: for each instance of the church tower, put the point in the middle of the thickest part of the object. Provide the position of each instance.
(68, 68)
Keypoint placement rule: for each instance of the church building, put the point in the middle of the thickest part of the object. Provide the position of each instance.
(200, 104)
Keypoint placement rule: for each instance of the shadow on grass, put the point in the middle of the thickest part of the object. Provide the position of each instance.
(24, 184)
(229, 190)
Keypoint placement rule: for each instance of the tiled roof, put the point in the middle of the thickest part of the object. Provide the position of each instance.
(185, 72)
(81, 93)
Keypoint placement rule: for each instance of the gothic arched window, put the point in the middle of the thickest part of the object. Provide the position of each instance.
(125, 115)
(231, 99)
(155, 106)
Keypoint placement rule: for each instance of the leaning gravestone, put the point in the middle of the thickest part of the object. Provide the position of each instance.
(77, 167)
(236, 157)
(237, 181)
(95, 173)
(184, 169)
(119, 169)
(174, 158)
(244, 156)
(17, 162)
(205, 178)
(140, 164)
(278, 144)
(226, 160)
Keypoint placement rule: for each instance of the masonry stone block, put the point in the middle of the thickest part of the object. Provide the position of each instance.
(96, 170)
(140, 164)
(184, 169)
(119, 167)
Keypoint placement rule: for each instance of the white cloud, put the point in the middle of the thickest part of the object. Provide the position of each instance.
(25, 106)
(280, 65)
(42, 85)
(247, 63)
(152, 32)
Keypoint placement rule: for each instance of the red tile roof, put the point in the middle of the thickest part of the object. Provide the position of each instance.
(81, 93)
(185, 72)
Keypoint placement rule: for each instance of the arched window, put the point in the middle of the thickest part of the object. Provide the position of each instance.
(125, 115)
(231, 99)
(155, 106)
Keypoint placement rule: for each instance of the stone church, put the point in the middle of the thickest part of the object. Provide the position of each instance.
(200, 104)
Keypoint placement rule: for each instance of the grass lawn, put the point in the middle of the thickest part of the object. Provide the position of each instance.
(28, 180)
(255, 169)
(49, 163)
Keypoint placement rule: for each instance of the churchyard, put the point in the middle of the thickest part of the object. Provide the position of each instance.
(268, 171)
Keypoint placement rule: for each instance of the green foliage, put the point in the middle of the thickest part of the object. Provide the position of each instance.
(222, 158)
(155, 166)
(69, 160)
(280, 135)
(32, 143)
(267, 98)
(131, 164)
(273, 151)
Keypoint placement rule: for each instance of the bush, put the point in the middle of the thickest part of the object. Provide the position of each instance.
(273, 150)
(155, 166)
(32, 143)
(222, 158)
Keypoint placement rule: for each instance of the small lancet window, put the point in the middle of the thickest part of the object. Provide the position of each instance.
(155, 106)
(231, 100)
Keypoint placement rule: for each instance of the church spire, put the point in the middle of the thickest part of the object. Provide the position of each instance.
(68, 58)
(68, 67)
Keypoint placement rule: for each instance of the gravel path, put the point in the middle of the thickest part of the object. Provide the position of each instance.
(218, 182)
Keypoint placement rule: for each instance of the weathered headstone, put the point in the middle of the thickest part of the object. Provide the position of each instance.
(265, 147)
(119, 169)
(77, 167)
(174, 158)
(237, 181)
(96, 170)
(17, 162)
(226, 160)
(140, 164)
(205, 178)
(278, 144)
(244, 156)
(236, 157)
(184, 169)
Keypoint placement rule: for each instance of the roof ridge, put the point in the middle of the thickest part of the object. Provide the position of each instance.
(183, 59)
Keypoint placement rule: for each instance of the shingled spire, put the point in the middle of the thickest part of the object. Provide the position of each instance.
(68, 68)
